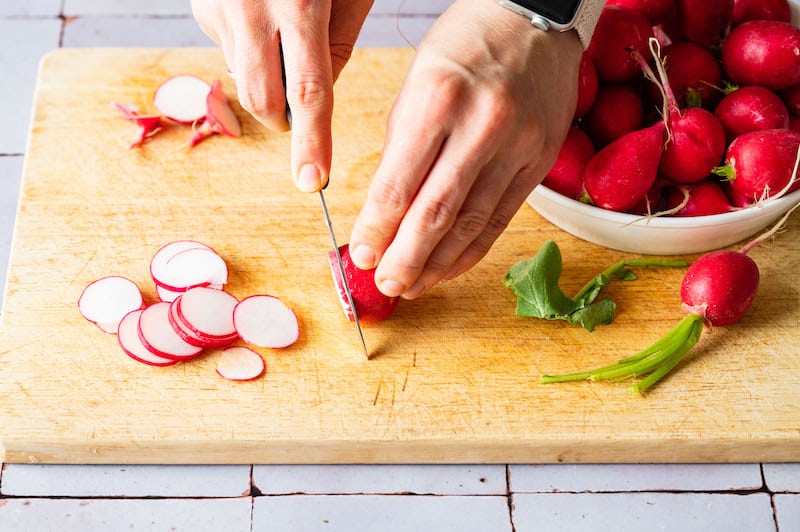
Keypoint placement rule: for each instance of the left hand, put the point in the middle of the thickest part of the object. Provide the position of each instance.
(477, 125)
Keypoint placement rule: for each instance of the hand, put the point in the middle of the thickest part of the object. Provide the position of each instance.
(317, 40)
(478, 123)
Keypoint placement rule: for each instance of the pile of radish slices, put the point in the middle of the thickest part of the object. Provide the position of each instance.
(187, 100)
(194, 313)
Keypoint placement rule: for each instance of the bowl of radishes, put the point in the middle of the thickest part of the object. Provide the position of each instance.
(687, 130)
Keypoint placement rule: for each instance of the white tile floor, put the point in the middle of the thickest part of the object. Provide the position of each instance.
(521, 498)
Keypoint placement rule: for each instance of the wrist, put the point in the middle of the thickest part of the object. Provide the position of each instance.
(579, 16)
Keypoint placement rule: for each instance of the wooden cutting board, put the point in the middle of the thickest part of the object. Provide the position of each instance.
(455, 373)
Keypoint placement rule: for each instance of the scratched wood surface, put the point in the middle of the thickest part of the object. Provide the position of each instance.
(454, 377)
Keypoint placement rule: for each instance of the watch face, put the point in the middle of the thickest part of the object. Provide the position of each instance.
(559, 11)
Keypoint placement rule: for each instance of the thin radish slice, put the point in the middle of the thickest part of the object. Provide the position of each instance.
(107, 300)
(220, 118)
(240, 364)
(165, 294)
(179, 269)
(146, 125)
(266, 321)
(191, 335)
(182, 98)
(208, 312)
(160, 338)
(132, 345)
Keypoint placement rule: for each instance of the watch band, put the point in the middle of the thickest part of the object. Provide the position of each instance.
(587, 20)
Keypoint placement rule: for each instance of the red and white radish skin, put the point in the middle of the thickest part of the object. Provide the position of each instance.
(751, 108)
(182, 98)
(131, 342)
(763, 52)
(220, 118)
(618, 32)
(566, 174)
(265, 321)
(146, 125)
(240, 364)
(107, 300)
(371, 304)
(695, 75)
(207, 312)
(183, 264)
(704, 198)
(191, 335)
(160, 338)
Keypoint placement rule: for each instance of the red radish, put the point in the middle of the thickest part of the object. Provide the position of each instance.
(763, 52)
(587, 85)
(184, 264)
(566, 175)
(794, 123)
(617, 110)
(747, 10)
(670, 31)
(704, 198)
(146, 125)
(165, 294)
(620, 175)
(656, 11)
(265, 321)
(706, 22)
(694, 75)
(371, 304)
(751, 108)
(618, 32)
(240, 364)
(717, 289)
(160, 338)
(191, 335)
(132, 345)
(220, 118)
(651, 202)
(182, 99)
(791, 98)
(207, 312)
(762, 164)
(106, 301)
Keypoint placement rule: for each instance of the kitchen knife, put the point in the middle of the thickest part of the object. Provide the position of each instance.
(328, 223)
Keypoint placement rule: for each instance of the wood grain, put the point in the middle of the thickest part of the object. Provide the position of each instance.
(454, 376)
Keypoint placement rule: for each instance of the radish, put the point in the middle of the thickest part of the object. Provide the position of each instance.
(587, 85)
(791, 98)
(106, 301)
(656, 11)
(763, 52)
(794, 123)
(183, 264)
(704, 198)
(265, 321)
(717, 289)
(132, 345)
(651, 202)
(620, 175)
(371, 304)
(747, 10)
(160, 338)
(617, 110)
(762, 164)
(220, 118)
(694, 75)
(240, 364)
(751, 108)
(706, 22)
(182, 99)
(618, 32)
(566, 174)
(203, 317)
(146, 125)
(695, 138)
(165, 294)
(191, 335)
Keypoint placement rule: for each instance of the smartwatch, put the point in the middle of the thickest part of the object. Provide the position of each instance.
(560, 15)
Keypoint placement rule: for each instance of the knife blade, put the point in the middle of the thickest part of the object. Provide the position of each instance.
(329, 224)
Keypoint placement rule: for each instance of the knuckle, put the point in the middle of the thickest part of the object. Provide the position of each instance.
(312, 92)
(470, 224)
(436, 216)
(389, 196)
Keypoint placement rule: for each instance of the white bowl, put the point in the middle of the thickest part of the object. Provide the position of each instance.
(657, 235)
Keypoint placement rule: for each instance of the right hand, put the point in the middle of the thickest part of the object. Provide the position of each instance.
(317, 39)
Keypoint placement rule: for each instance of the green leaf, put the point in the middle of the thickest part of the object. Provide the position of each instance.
(600, 313)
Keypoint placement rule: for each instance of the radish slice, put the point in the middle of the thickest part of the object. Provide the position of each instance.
(106, 301)
(182, 98)
(146, 125)
(191, 336)
(132, 345)
(165, 294)
(160, 338)
(240, 364)
(265, 321)
(208, 312)
(184, 264)
(220, 118)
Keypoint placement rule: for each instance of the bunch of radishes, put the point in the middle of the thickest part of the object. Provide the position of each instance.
(194, 313)
(685, 108)
(187, 100)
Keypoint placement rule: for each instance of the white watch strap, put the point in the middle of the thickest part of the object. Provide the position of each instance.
(587, 20)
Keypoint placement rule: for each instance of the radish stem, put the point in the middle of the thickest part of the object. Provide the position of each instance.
(612, 270)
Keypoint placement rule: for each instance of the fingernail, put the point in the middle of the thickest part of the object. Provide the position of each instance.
(391, 288)
(309, 178)
(363, 257)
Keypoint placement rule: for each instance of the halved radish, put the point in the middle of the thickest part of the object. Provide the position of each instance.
(106, 301)
(240, 364)
(220, 118)
(132, 345)
(371, 304)
(182, 98)
(266, 321)
(160, 338)
(208, 312)
(147, 125)
(184, 264)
